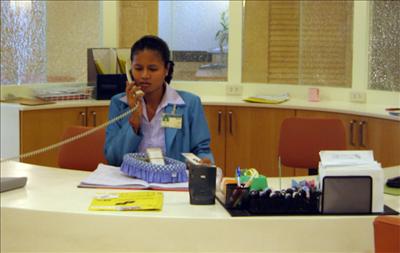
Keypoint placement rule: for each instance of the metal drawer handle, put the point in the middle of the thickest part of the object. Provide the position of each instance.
(219, 122)
(352, 142)
(83, 118)
(94, 114)
(361, 134)
(230, 122)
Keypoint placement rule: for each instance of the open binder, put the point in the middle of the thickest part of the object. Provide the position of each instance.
(110, 177)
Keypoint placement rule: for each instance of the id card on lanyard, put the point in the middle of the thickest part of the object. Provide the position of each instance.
(171, 120)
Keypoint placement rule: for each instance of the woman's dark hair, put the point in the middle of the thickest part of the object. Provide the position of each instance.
(155, 43)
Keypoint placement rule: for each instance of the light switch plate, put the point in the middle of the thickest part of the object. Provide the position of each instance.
(358, 96)
(234, 90)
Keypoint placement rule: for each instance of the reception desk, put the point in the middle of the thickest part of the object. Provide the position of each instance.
(51, 214)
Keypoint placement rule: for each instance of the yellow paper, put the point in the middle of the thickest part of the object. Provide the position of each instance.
(268, 99)
(260, 100)
(99, 68)
(122, 64)
(127, 201)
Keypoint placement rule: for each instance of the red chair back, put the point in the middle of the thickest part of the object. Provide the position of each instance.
(387, 234)
(301, 140)
(85, 153)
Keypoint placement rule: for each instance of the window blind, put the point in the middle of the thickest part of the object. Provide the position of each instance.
(326, 43)
(283, 42)
(302, 42)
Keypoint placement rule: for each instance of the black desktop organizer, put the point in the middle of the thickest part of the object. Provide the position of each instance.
(262, 205)
(107, 85)
(252, 204)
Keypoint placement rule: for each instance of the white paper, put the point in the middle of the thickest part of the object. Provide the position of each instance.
(192, 158)
(346, 157)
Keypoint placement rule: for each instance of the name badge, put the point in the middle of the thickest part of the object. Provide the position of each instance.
(171, 121)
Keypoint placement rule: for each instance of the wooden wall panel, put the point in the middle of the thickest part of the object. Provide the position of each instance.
(136, 19)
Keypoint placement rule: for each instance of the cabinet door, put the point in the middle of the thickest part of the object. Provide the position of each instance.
(383, 137)
(97, 115)
(216, 123)
(252, 136)
(41, 128)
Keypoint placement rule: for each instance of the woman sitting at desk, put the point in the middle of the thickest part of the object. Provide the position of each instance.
(166, 118)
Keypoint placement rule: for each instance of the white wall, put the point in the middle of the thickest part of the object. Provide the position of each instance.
(190, 25)
(9, 130)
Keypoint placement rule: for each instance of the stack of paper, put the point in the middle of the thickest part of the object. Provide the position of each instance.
(354, 163)
(340, 159)
(268, 99)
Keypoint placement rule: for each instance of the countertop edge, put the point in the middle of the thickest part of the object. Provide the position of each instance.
(369, 110)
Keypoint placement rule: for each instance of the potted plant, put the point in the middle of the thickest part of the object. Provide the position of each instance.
(222, 34)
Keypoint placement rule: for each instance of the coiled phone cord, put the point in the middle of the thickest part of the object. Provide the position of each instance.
(73, 138)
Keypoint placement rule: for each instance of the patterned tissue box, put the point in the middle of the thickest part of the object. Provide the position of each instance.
(137, 165)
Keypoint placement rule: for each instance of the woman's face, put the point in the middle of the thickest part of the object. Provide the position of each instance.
(149, 71)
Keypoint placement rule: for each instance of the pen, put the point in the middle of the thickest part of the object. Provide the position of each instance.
(248, 183)
(392, 109)
(127, 208)
(238, 175)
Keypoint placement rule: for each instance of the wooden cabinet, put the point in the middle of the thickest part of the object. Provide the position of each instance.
(246, 137)
(41, 128)
(368, 133)
(96, 115)
(240, 136)
(383, 137)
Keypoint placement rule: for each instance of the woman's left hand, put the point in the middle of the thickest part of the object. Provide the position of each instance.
(134, 96)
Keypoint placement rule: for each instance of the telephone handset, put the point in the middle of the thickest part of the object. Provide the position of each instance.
(128, 71)
(128, 68)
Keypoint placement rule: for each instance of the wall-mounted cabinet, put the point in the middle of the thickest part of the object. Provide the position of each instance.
(41, 128)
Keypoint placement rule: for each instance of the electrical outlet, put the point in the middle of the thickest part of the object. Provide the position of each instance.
(358, 96)
(234, 90)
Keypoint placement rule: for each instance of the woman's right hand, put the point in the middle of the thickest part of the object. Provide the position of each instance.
(133, 97)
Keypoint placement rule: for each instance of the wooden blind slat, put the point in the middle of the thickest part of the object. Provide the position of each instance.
(284, 19)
